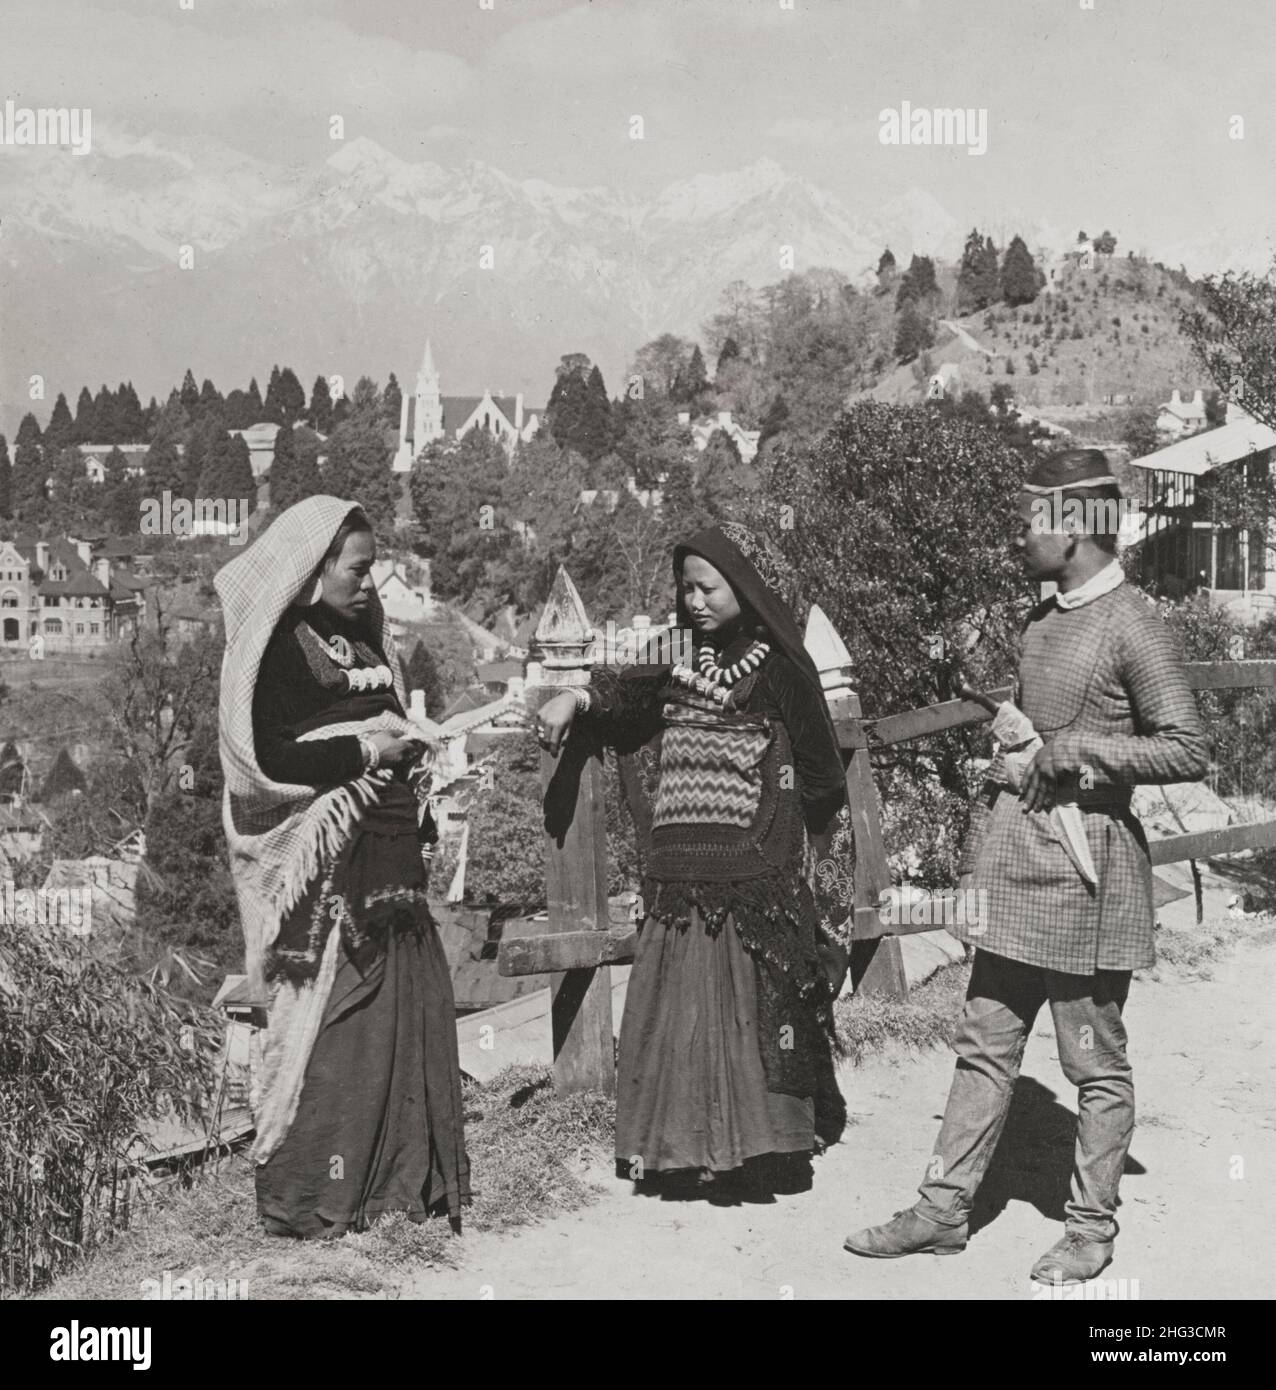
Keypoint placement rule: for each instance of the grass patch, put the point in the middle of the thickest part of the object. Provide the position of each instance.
(529, 1149)
(1188, 953)
(870, 1023)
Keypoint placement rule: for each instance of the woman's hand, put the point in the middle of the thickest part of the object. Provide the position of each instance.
(395, 748)
(554, 721)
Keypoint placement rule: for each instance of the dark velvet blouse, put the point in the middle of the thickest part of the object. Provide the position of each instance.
(290, 699)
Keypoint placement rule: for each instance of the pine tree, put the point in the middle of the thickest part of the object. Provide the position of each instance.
(131, 418)
(173, 417)
(989, 273)
(579, 411)
(235, 411)
(64, 777)
(214, 472)
(210, 398)
(319, 416)
(678, 493)
(239, 482)
(29, 431)
(1018, 274)
(163, 466)
(292, 399)
(774, 421)
(730, 353)
(255, 407)
(566, 407)
(30, 482)
(6, 480)
(105, 424)
(392, 400)
(917, 282)
(423, 674)
(273, 411)
(977, 279)
(121, 495)
(189, 393)
(294, 471)
(595, 418)
(913, 333)
(692, 381)
(202, 465)
(12, 769)
(358, 464)
(718, 481)
(84, 417)
(60, 431)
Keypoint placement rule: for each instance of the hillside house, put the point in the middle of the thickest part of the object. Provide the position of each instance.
(63, 592)
(609, 497)
(404, 598)
(95, 456)
(1180, 548)
(1178, 418)
(702, 431)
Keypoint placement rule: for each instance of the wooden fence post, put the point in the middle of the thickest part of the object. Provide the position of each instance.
(877, 963)
(576, 872)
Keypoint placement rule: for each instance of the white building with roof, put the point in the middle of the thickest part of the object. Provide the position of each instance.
(427, 415)
(1179, 418)
(1181, 547)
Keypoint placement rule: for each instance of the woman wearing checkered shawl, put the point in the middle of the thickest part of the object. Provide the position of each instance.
(358, 1104)
(737, 790)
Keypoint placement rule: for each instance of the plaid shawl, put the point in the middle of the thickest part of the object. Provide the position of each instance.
(281, 835)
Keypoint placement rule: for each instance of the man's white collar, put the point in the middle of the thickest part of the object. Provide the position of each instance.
(1107, 579)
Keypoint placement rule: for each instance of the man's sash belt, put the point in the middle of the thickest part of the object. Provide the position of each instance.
(1106, 797)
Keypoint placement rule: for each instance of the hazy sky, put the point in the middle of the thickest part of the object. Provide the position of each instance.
(1113, 116)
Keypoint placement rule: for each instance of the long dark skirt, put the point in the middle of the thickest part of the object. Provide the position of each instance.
(691, 1086)
(379, 1125)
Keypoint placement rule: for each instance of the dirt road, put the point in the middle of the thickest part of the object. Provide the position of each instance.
(1198, 1198)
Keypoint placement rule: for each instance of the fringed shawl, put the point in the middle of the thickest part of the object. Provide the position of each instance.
(281, 835)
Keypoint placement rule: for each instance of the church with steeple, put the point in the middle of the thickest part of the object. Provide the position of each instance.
(428, 415)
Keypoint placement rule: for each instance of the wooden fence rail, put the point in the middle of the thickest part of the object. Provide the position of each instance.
(580, 943)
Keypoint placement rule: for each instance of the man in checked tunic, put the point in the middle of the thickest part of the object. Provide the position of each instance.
(1105, 688)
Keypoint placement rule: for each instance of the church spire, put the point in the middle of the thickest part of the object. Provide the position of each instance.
(428, 370)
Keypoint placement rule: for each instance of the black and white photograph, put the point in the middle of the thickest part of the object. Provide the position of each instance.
(637, 664)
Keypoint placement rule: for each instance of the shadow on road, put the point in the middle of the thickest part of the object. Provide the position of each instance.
(1033, 1162)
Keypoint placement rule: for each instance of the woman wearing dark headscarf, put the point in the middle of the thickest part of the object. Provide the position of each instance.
(737, 789)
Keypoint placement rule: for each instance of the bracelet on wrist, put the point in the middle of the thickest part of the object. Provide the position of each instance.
(584, 699)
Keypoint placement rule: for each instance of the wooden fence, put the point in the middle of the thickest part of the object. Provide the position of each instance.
(580, 943)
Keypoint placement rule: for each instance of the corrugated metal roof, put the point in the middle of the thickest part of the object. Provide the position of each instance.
(1215, 448)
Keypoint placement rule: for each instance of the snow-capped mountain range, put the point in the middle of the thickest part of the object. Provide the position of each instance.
(346, 265)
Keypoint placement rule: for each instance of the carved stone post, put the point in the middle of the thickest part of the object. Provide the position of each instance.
(576, 872)
(876, 962)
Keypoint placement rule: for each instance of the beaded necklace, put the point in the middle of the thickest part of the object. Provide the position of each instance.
(715, 682)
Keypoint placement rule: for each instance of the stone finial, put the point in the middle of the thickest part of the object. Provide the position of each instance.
(565, 635)
(828, 651)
